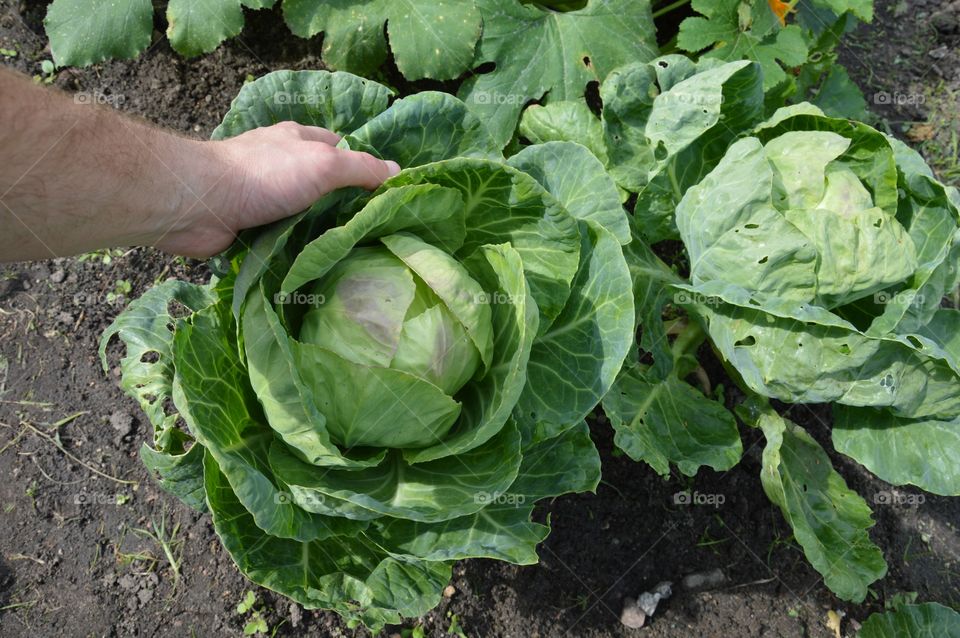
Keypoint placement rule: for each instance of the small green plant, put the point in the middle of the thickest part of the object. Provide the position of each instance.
(454, 628)
(8, 53)
(47, 73)
(166, 538)
(256, 624)
(414, 632)
(900, 599)
(121, 289)
(105, 256)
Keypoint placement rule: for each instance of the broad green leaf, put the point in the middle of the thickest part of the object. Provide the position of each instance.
(839, 96)
(146, 328)
(652, 290)
(564, 122)
(747, 236)
(83, 32)
(799, 160)
(433, 491)
(578, 180)
(928, 620)
(869, 156)
(664, 422)
(942, 329)
(563, 464)
(921, 452)
(423, 128)
(498, 531)
(698, 111)
(543, 53)
(429, 39)
(195, 27)
(213, 395)
(503, 529)
(574, 363)
(339, 102)
(829, 520)
(931, 219)
(800, 359)
(348, 574)
(685, 141)
(744, 29)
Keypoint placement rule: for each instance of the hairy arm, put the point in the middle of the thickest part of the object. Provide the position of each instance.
(78, 177)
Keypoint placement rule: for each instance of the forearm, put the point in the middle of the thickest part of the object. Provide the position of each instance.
(75, 177)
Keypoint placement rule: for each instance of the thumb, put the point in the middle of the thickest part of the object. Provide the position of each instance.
(354, 168)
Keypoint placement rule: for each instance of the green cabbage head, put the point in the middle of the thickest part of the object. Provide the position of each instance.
(388, 382)
(820, 251)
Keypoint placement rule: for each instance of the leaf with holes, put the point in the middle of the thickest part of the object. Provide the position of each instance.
(539, 53)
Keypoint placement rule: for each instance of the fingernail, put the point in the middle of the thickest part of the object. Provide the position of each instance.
(394, 168)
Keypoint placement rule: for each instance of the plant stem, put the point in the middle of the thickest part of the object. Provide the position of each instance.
(670, 7)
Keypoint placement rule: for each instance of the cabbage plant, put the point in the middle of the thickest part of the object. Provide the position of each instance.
(820, 262)
(387, 383)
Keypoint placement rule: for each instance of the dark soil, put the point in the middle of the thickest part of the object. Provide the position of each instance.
(72, 562)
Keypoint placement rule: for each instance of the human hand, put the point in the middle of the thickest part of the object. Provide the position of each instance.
(258, 177)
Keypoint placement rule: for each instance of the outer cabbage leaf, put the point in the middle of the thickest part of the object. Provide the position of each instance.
(667, 421)
(564, 122)
(215, 399)
(424, 128)
(829, 521)
(921, 452)
(929, 620)
(579, 181)
(664, 125)
(339, 102)
(798, 357)
(348, 574)
(147, 376)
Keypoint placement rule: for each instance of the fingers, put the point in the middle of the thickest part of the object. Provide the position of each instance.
(317, 134)
(353, 168)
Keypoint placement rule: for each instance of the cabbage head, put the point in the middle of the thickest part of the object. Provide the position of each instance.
(821, 250)
(388, 382)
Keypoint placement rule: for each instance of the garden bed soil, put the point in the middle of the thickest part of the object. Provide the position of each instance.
(72, 562)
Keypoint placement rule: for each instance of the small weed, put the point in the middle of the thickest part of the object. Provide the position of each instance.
(121, 289)
(256, 624)
(454, 629)
(47, 73)
(166, 539)
(105, 257)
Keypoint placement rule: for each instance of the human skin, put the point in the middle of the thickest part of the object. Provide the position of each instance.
(76, 177)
